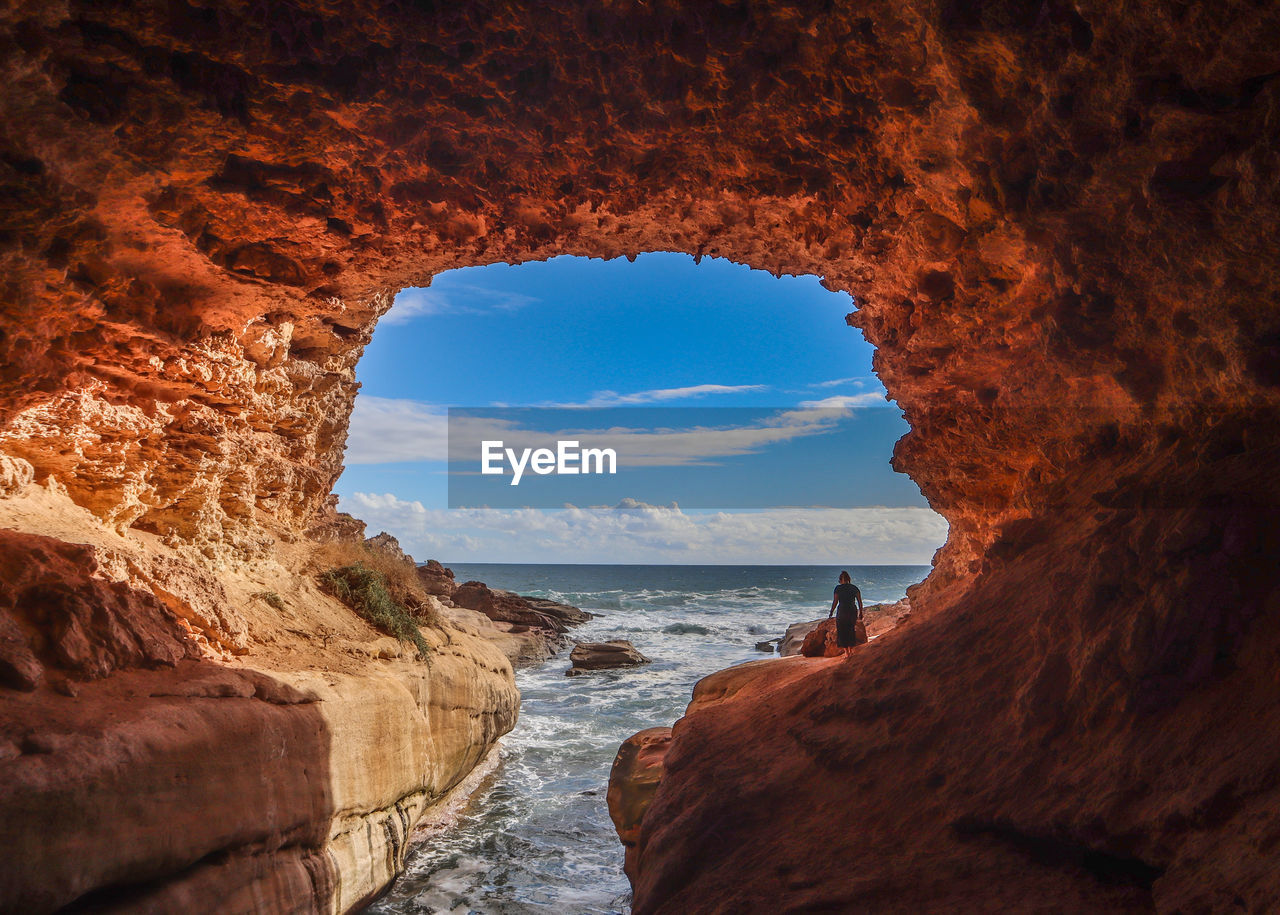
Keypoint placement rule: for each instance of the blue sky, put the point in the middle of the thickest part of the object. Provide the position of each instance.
(661, 332)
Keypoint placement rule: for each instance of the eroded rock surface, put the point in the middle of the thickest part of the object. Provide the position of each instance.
(533, 627)
(634, 778)
(1058, 222)
(587, 657)
(821, 641)
(793, 638)
(172, 740)
(436, 579)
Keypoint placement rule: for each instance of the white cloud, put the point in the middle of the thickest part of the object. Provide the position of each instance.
(661, 395)
(844, 402)
(386, 430)
(653, 534)
(452, 298)
(855, 380)
(659, 446)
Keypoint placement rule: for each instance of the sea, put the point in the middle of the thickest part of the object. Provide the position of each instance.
(535, 836)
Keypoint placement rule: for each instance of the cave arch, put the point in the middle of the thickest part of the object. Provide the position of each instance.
(687, 344)
(1069, 281)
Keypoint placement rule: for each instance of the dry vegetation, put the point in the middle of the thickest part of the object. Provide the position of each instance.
(400, 576)
(271, 599)
(365, 591)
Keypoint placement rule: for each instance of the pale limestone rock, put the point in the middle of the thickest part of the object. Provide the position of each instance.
(15, 475)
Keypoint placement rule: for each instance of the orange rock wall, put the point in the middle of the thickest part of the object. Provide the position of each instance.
(1057, 220)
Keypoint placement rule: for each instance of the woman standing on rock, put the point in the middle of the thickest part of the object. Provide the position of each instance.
(849, 600)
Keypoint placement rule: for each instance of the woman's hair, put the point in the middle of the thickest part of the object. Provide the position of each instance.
(844, 576)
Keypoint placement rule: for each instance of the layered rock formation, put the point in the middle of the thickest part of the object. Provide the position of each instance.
(171, 740)
(527, 629)
(1058, 224)
(591, 656)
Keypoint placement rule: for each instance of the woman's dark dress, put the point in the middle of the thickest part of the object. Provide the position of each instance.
(846, 615)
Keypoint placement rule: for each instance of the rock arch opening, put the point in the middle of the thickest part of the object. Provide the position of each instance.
(726, 389)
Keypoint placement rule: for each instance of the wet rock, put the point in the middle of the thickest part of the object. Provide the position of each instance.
(528, 630)
(535, 626)
(592, 656)
(686, 629)
(566, 614)
(769, 646)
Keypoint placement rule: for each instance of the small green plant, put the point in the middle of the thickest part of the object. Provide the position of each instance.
(271, 599)
(364, 590)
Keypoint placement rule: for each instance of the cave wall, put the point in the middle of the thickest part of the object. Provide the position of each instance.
(1057, 221)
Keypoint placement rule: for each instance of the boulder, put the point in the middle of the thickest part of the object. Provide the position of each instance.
(74, 607)
(436, 579)
(821, 640)
(461, 616)
(527, 629)
(565, 613)
(796, 632)
(509, 607)
(634, 778)
(387, 545)
(768, 646)
(879, 619)
(589, 656)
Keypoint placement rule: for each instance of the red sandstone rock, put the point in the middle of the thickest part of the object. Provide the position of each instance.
(436, 579)
(58, 605)
(793, 639)
(820, 642)
(878, 619)
(507, 607)
(632, 781)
